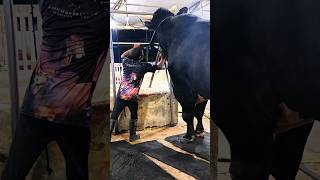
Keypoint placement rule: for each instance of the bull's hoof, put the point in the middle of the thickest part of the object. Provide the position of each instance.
(200, 134)
(187, 139)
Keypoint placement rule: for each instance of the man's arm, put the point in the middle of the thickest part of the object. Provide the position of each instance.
(127, 53)
(159, 63)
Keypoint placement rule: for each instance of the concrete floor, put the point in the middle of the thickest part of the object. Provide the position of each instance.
(311, 158)
(160, 134)
(223, 173)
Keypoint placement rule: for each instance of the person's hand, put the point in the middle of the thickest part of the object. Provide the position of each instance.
(161, 61)
(136, 45)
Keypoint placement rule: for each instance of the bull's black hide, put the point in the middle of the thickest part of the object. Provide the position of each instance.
(185, 42)
(265, 53)
(270, 48)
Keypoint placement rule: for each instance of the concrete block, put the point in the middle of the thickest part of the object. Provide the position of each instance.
(154, 104)
(153, 111)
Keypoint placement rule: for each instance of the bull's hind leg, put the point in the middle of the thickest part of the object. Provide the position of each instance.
(188, 115)
(188, 118)
(199, 111)
(250, 152)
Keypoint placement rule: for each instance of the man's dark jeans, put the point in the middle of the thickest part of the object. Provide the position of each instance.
(119, 106)
(31, 137)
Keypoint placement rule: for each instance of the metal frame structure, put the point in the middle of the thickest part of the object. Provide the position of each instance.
(197, 6)
(112, 65)
(13, 77)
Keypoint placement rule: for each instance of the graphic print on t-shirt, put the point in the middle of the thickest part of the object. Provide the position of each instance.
(133, 73)
(73, 51)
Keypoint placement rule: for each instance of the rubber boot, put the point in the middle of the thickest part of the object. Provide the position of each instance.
(112, 125)
(133, 129)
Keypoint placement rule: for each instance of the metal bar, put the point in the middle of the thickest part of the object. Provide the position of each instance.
(199, 10)
(157, 59)
(33, 30)
(142, 5)
(130, 43)
(130, 12)
(309, 172)
(195, 5)
(171, 93)
(112, 66)
(204, 5)
(117, 5)
(11, 47)
(147, 50)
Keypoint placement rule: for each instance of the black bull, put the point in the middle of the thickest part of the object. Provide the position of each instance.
(265, 53)
(185, 41)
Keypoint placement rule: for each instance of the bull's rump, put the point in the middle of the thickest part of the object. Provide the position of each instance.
(271, 43)
(189, 60)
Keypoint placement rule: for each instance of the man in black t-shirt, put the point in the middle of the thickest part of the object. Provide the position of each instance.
(57, 102)
(133, 73)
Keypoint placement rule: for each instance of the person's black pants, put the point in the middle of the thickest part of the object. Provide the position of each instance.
(119, 106)
(31, 137)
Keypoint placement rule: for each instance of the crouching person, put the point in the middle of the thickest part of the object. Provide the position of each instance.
(133, 73)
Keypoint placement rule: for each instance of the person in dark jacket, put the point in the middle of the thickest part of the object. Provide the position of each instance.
(133, 73)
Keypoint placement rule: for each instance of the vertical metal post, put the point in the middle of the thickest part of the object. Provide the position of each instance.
(201, 9)
(112, 67)
(171, 94)
(147, 50)
(11, 47)
(33, 30)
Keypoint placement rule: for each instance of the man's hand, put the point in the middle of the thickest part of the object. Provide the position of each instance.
(161, 61)
(136, 45)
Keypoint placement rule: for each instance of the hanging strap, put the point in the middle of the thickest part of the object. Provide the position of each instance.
(157, 59)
